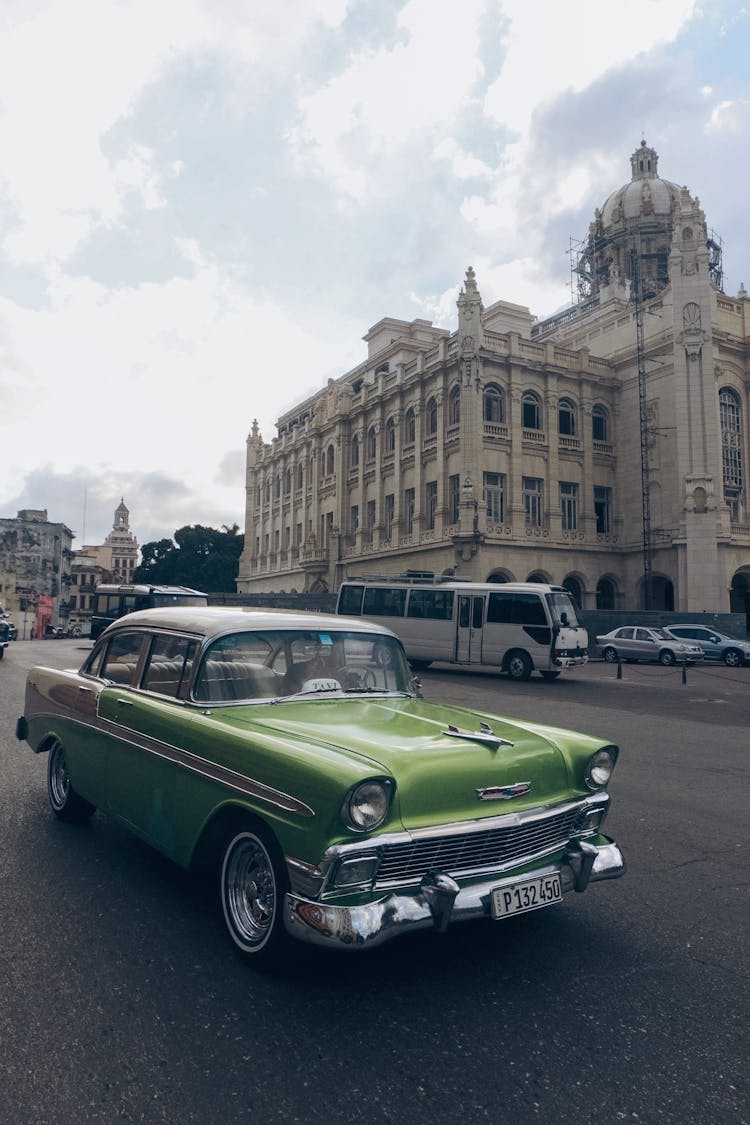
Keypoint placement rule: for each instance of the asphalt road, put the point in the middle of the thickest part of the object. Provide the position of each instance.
(120, 1000)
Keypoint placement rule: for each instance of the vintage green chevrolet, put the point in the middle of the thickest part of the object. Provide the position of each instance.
(291, 757)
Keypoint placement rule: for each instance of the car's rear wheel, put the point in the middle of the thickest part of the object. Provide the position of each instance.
(253, 883)
(667, 657)
(733, 658)
(419, 665)
(610, 654)
(519, 665)
(64, 801)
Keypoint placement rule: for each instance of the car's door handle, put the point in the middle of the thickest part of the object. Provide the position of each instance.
(126, 702)
(87, 690)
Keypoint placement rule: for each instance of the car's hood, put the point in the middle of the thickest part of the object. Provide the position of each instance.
(411, 741)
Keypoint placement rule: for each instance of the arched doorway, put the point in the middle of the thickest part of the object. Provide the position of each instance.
(739, 596)
(499, 576)
(538, 576)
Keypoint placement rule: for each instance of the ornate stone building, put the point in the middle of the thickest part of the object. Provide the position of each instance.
(604, 448)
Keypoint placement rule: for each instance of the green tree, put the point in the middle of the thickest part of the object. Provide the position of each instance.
(204, 558)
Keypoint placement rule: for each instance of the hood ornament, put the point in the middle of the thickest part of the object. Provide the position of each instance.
(504, 792)
(485, 735)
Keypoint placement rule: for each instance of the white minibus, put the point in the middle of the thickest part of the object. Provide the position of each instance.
(519, 627)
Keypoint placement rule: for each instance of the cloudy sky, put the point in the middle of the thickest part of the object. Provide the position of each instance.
(205, 204)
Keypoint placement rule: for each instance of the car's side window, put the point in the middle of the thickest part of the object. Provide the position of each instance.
(169, 665)
(120, 664)
(643, 635)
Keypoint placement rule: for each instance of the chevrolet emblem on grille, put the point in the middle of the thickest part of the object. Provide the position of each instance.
(504, 792)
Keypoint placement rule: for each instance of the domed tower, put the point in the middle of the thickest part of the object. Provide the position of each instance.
(631, 236)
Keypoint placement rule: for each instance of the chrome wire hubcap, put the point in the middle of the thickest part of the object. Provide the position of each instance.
(59, 782)
(249, 891)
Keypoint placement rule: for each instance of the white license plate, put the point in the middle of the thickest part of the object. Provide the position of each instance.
(529, 894)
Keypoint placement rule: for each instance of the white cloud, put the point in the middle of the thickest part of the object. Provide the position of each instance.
(729, 117)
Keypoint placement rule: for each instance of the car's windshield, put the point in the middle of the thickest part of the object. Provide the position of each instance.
(275, 664)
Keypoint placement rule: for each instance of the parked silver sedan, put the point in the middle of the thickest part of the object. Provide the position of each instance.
(642, 642)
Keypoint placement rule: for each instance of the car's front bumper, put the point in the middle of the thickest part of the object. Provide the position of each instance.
(438, 901)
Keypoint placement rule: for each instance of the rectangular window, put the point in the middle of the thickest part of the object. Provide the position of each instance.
(354, 519)
(380, 602)
(532, 501)
(430, 503)
(287, 538)
(370, 514)
(409, 501)
(390, 508)
(494, 497)
(603, 508)
(569, 505)
(434, 604)
(454, 497)
(298, 535)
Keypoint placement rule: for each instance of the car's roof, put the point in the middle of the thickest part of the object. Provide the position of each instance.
(214, 620)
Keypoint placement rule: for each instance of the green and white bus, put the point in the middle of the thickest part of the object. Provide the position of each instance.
(518, 627)
(112, 601)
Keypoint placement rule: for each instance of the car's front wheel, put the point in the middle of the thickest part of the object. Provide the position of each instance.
(667, 657)
(64, 801)
(253, 884)
(610, 654)
(733, 658)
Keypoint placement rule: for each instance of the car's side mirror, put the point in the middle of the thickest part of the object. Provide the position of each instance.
(416, 686)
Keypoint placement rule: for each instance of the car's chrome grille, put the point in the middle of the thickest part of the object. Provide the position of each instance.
(474, 851)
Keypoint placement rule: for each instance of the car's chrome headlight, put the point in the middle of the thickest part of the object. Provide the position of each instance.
(367, 805)
(600, 766)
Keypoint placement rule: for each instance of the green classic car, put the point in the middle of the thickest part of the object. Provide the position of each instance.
(291, 757)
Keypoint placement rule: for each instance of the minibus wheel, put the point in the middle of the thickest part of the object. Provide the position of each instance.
(518, 665)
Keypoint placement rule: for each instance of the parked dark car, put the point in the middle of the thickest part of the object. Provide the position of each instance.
(716, 646)
(4, 637)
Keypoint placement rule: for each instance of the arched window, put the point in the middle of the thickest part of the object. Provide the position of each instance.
(410, 427)
(431, 418)
(575, 589)
(730, 419)
(605, 594)
(493, 404)
(566, 418)
(355, 451)
(372, 444)
(277, 490)
(288, 482)
(300, 477)
(600, 423)
(268, 491)
(531, 411)
(330, 461)
(390, 436)
(454, 407)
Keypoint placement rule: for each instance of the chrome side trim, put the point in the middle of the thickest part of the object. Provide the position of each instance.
(194, 763)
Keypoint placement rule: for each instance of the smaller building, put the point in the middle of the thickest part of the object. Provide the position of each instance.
(35, 564)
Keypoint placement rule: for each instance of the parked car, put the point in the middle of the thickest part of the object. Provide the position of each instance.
(715, 646)
(4, 636)
(639, 642)
(291, 756)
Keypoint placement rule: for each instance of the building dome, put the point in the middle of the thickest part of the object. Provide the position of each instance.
(646, 196)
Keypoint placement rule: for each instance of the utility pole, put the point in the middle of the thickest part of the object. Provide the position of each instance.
(636, 277)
